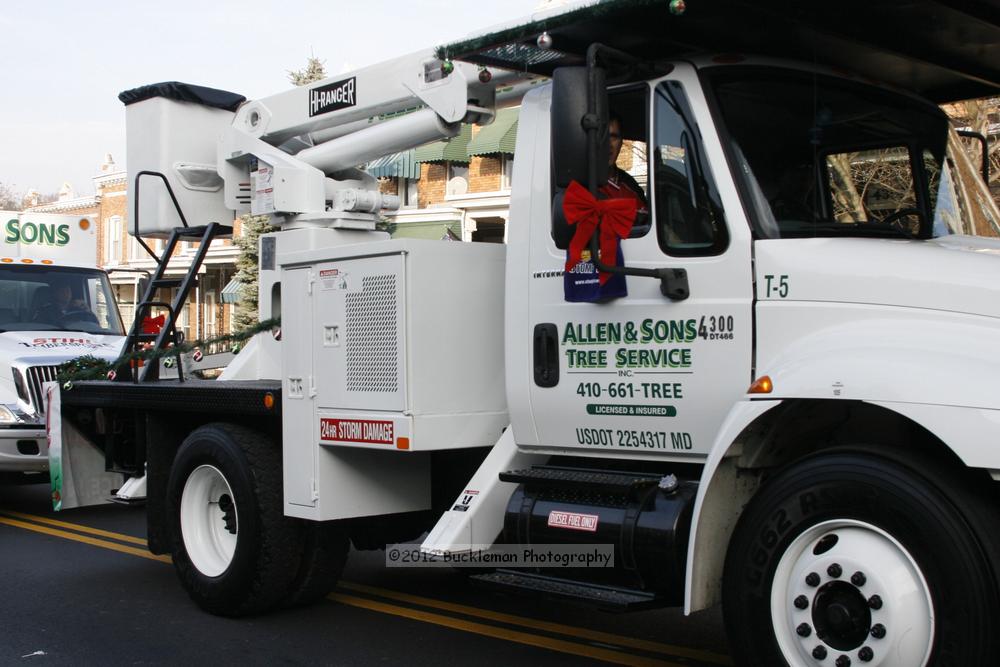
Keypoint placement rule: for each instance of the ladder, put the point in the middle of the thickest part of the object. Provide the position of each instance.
(168, 335)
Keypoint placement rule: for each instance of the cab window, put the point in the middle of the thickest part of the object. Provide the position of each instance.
(687, 208)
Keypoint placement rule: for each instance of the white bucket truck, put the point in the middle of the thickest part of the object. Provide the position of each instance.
(791, 407)
(55, 305)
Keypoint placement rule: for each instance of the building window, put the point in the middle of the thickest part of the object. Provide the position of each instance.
(114, 228)
(458, 178)
(506, 171)
(135, 250)
(210, 328)
(184, 323)
(490, 230)
(408, 191)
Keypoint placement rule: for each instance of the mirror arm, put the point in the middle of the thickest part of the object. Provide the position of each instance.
(673, 282)
(984, 144)
(591, 121)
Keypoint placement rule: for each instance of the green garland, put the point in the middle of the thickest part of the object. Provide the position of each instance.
(89, 367)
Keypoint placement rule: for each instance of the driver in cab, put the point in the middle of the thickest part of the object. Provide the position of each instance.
(58, 304)
(621, 184)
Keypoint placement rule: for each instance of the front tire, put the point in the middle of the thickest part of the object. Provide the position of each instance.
(233, 549)
(853, 559)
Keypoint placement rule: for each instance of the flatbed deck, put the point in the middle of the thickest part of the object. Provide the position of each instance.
(248, 398)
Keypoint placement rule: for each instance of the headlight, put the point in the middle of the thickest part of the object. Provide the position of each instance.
(6, 416)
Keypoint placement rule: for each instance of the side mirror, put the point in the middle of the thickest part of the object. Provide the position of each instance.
(142, 285)
(571, 119)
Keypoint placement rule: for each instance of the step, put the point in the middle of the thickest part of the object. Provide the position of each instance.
(603, 597)
(168, 282)
(199, 230)
(576, 478)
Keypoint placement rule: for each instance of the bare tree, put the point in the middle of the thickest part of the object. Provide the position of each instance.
(313, 71)
(10, 199)
(978, 116)
(255, 225)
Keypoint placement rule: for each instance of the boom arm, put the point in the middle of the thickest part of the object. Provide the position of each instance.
(283, 154)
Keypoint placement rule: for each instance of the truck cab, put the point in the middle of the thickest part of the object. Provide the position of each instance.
(784, 193)
(56, 306)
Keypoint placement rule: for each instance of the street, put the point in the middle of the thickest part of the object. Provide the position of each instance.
(79, 587)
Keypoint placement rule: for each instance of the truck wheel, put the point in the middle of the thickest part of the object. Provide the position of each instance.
(324, 554)
(852, 559)
(234, 550)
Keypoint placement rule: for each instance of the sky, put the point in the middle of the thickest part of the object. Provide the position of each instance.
(66, 61)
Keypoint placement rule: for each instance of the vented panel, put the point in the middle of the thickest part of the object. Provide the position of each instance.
(37, 375)
(371, 345)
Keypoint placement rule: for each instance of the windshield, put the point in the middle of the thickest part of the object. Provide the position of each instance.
(824, 156)
(47, 298)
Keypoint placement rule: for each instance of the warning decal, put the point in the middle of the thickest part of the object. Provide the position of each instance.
(370, 432)
(573, 521)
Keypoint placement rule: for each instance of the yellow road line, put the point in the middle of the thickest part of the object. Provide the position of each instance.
(572, 631)
(500, 633)
(75, 526)
(83, 538)
(548, 626)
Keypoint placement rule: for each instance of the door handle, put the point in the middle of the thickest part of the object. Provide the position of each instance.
(546, 353)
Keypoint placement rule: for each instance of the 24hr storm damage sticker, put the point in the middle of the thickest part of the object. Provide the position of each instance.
(364, 431)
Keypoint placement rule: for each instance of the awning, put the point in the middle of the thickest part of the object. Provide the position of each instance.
(455, 149)
(497, 137)
(231, 292)
(395, 166)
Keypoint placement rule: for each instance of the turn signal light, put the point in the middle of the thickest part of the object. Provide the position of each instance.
(761, 385)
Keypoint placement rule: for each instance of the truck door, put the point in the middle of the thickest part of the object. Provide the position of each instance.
(644, 375)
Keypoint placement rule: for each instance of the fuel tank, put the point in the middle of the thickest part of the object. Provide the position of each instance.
(647, 517)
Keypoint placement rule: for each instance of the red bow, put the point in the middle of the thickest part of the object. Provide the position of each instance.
(152, 325)
(585, 211)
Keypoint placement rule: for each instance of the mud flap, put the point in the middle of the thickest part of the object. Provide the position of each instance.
(76, 465)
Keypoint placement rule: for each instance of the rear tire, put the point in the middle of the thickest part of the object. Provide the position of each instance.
(233, 549)
(324, 555)
(791, 594)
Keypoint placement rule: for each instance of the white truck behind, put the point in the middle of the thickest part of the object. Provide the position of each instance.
(790, 409)
(55, 305)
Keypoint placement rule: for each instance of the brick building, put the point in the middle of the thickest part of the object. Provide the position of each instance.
(460, 188)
